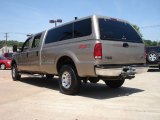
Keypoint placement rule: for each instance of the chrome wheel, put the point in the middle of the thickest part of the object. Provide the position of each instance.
(69, 82)
(152, 57)
(66, 80)
(3, 66)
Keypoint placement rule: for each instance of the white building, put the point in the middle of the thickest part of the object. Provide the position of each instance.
(6, 49)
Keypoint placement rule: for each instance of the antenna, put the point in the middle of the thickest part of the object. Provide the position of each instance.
(75, 18)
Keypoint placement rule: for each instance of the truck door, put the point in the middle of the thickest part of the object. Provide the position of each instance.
(34, 53)
(23, 56)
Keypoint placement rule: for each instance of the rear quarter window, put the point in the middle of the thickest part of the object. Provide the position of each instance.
(82, 28)
(76, 29)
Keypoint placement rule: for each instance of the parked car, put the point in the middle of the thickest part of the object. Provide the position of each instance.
(4, 63)
(8, 55)
(92, 48)
(153, 56)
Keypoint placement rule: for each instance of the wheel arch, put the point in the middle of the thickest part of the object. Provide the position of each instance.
(3, 63)
(65, 60)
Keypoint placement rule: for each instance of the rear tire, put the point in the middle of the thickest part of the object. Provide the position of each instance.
(114, 83)
(2, 66)
(69, 81)
(15, 73)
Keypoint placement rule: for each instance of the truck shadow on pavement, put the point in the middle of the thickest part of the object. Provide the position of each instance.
(90, 90)
(153, 70)
(101, 91)
(41, 82)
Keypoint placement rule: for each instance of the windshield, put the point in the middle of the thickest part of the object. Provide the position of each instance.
(8, 54)
(117, 31)
(2, 58)
(155, 49)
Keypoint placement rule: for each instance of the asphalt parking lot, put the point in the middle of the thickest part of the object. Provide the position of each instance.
(40, 99)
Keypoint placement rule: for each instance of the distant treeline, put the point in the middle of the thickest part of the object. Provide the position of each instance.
(10, 43)
(151, 43)
(19, 44)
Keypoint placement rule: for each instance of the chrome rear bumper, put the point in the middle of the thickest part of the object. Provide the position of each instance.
(121, 70)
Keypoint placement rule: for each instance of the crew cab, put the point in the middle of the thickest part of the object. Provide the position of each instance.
(92, 48)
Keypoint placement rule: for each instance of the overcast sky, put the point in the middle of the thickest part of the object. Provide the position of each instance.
(32, 16)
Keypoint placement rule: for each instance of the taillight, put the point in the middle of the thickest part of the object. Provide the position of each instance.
(98, 51)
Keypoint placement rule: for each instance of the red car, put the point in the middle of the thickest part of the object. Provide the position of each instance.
(8, 55)
(4, 63)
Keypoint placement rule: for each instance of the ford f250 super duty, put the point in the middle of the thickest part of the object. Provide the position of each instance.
(92, 48)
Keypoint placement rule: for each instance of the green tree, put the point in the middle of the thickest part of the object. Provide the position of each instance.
(137, 29)
(148, 42)
(10, 43)
(151, 43)
(154, 43)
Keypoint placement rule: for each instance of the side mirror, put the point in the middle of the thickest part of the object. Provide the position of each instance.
(14, 48)
(19, 49)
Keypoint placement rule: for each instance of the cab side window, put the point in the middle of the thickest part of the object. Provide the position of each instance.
(36, 41)
(25, 46)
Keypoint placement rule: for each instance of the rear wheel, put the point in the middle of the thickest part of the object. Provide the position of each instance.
(15, 74)
(68, 80)
(2, 66)
(114, 83)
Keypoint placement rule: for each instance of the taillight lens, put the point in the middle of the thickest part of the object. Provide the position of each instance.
(98, 51)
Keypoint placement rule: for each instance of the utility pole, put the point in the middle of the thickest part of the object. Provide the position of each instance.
(6, 36)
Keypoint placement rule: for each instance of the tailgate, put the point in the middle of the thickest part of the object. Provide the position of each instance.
(121, 44)
(122, 52)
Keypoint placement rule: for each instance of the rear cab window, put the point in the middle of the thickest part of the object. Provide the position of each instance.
(36, 41)
(59, 34)
(115, 30)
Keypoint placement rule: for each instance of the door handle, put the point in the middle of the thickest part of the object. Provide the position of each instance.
(125, 45)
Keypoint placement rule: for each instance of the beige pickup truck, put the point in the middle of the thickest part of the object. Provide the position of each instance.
(90, 49)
